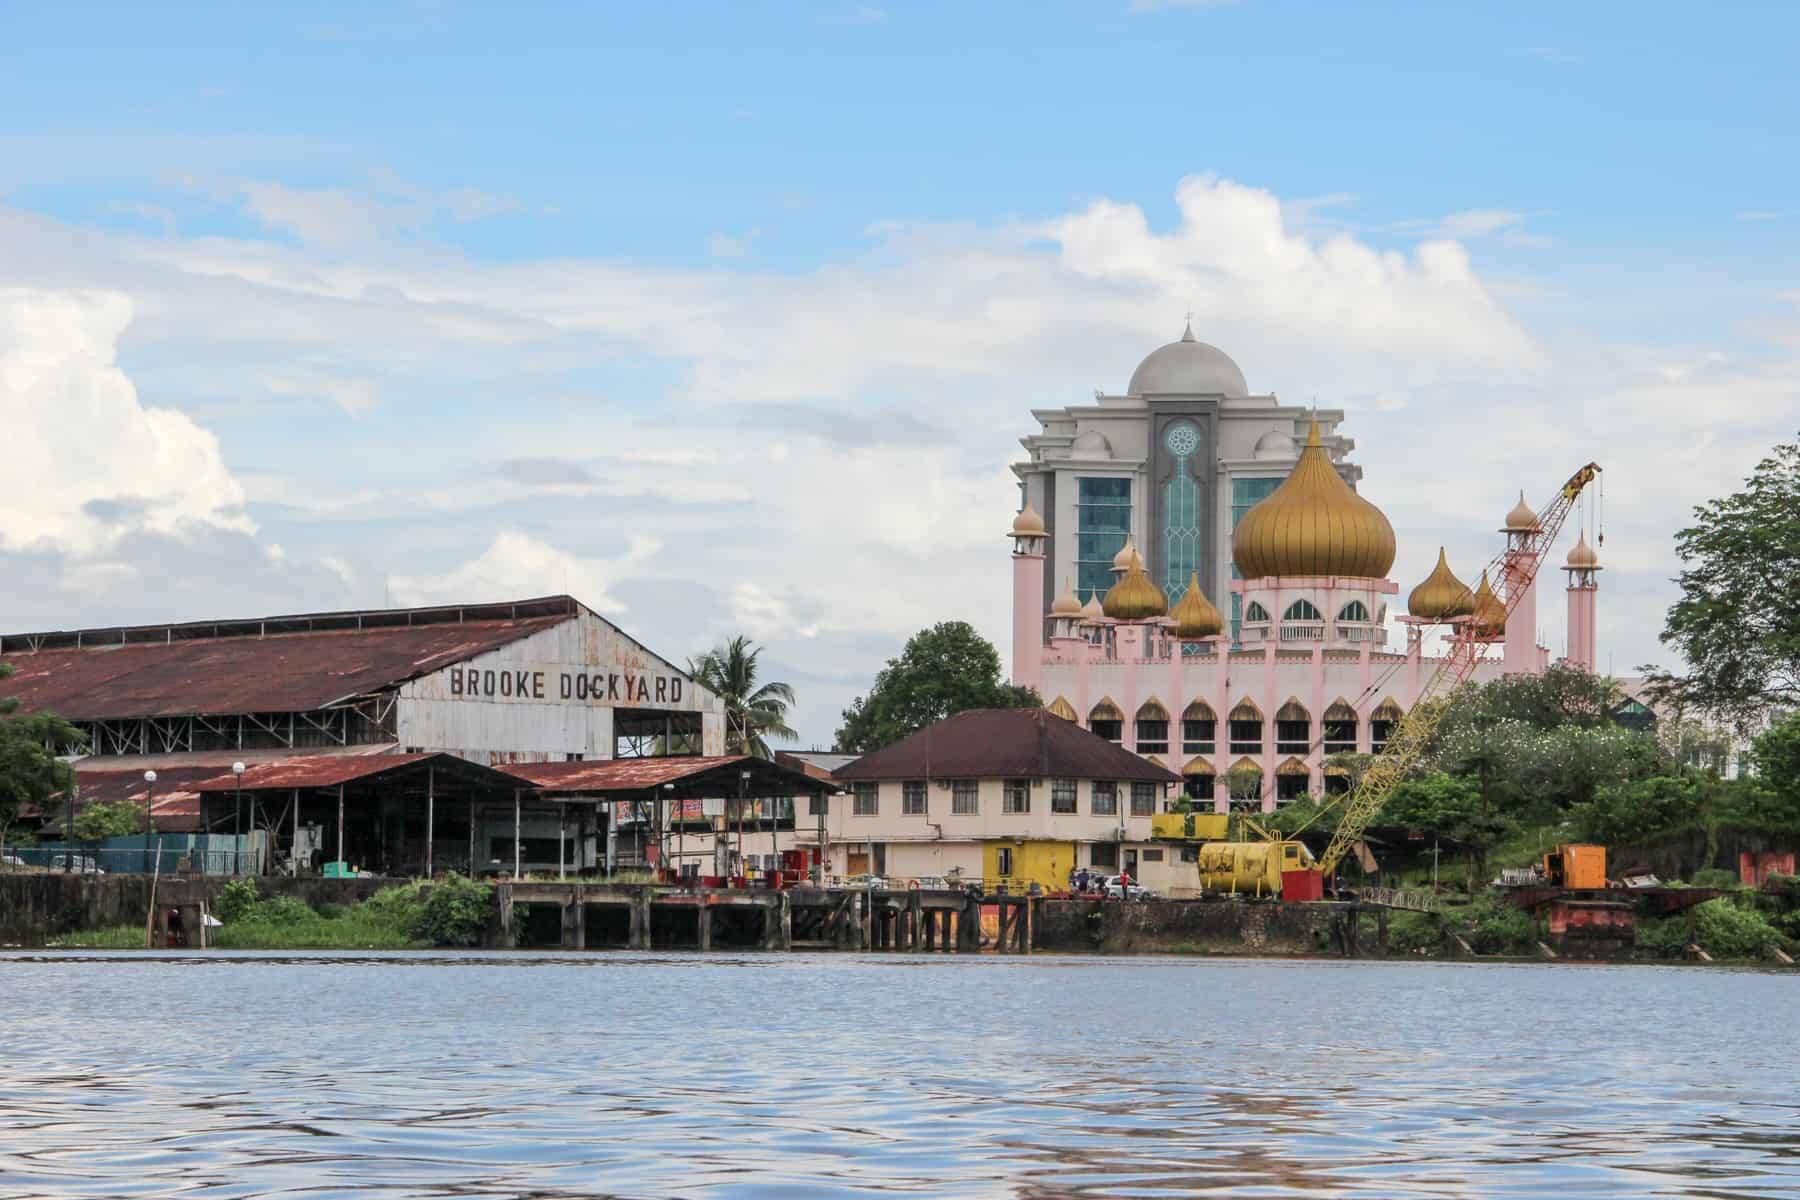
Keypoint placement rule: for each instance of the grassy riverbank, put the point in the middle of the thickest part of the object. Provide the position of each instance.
(449, 912)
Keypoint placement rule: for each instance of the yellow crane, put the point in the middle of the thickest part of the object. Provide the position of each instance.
(1469, 640)
(1243, 866)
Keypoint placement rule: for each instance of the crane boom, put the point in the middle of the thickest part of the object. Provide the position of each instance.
(1407, 744)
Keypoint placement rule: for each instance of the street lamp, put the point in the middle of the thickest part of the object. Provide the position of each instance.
(237, 823)
(149, 814)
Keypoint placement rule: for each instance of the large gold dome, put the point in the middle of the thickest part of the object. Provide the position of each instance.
(1442, 595)
(1313, 524)
(1490, 613)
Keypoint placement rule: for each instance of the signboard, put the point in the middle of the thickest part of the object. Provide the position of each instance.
(565, 685)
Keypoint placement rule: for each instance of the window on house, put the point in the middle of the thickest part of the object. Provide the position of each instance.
(1105, 799)
(1143, 799)
(1153, 736)
(912, 798)
(815, 806)
(1256, 614)
(1199, 726)
(1151, 855)
(864, 800)
(1190, 854)
(965, 797)
(1356, 610)
(1062, 795)
(1293, 729)
(1246, 729)
(1003, 860)
(1198, 787)
(1104, 855)
(1018, 796)
(1340, 728)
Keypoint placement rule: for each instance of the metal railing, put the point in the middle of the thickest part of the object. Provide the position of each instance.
(1303, 631)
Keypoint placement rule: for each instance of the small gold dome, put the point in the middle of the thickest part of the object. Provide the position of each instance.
(1127, 555)
(1091, 612)
(1313, 524)
(1135, 597)
(1521, 519)
(1582, 555)
(1196, 616)
(1442, 595)
(1028, 523)
(1489, 614)
(1068, 604)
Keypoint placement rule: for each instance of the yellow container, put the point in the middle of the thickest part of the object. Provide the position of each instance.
(1249, 868)
(1189, 827)
(1577, 867)
(1022, 863)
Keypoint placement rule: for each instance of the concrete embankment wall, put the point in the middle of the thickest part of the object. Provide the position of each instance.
(37, 907)
(1198, 926)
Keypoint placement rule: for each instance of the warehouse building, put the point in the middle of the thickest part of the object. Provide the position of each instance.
(449, 697)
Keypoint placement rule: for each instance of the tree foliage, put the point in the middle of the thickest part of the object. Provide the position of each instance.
(754, 711)
(1776, 756)
(30, 772)
(1737, 623)
(946, 669)
(108, 819)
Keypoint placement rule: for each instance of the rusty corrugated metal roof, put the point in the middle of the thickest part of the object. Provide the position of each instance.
(1012, 743)
(282, 672)
(642, 774)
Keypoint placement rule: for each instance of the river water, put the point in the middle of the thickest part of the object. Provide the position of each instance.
(646, 1075)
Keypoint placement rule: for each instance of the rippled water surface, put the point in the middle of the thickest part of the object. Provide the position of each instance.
(627, 1075)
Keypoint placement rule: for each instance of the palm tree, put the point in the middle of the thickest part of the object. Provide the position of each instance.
(752, 714)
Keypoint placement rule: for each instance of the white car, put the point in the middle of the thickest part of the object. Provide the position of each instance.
(11, 860)
(1114, 888)
(864, 882)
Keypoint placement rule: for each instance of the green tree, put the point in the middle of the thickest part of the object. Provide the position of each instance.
(1737, 623)
(107, 819)
(946, 669)
(1560, 697)
(30, 771)
(754, 711)
(1775, 756)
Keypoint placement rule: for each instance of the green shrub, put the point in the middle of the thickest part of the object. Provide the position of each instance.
(235, 899)
(1666, 937)
(455, 912)
(1414, 933)
(1714, 877)
(1728, 930)
(1493, 926)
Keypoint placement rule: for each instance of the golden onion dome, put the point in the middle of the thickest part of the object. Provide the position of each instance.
(1582, 554)
(1521, 519)
(1028, 523)
(1442, 595)
(1313, 524)
(1489, 614)
(1196, 616)
(1068, 604)
(1135, 597)
(1126, 556)
(1091, 612)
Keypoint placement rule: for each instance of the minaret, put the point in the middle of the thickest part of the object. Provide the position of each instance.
(1028, 537)
(1521, 530)
(1583, 566)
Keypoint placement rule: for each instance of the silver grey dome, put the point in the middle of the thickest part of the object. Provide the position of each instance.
(1189, 368)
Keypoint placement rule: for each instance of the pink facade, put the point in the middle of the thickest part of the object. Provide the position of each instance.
(1584, 593)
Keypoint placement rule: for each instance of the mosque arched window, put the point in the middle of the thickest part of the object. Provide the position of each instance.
(1255, 614)
(1356, 610)
(1302, 610)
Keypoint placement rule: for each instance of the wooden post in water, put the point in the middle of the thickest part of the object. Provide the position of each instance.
(518, 835)
(705, 915)
(787, 920)
(430, 814)
(340, 823)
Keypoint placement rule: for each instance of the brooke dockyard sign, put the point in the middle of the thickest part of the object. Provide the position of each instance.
(563, 686)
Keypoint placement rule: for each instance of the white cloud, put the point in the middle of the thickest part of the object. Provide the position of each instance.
(86, 461)
(516, 565)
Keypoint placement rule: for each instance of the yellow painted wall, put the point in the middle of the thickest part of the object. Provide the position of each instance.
(1046, 864)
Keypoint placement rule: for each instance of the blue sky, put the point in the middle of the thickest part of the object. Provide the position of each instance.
(450, 298)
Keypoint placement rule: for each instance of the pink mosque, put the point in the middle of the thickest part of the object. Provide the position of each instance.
(1128, 504)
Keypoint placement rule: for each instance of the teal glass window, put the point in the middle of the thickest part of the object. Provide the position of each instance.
(1181, 512)
(1102, 520)
(1245, 495)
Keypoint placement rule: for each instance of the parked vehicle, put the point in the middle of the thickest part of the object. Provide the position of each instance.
(11, 860)
(1115, 889)
(861, 882)
(82, 864)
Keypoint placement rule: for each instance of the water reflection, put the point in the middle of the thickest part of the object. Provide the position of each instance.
(645, 1075)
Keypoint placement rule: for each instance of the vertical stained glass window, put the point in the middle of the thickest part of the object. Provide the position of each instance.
(1245, 495)
(1181, 512)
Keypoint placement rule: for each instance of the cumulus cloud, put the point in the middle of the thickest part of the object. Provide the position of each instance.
(87, 462)
(516, 565)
